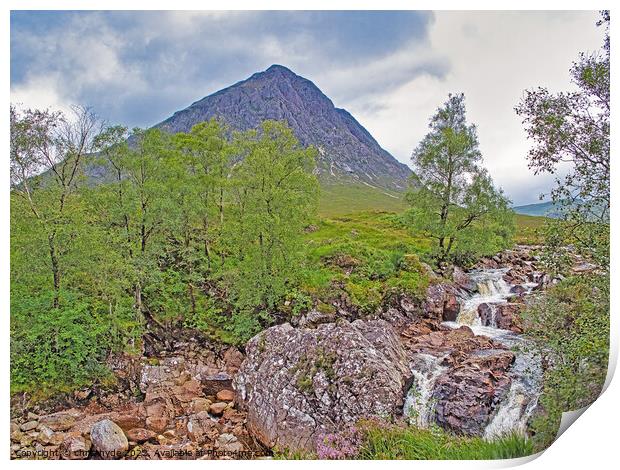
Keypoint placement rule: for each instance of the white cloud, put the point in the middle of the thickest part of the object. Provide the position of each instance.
(40, 92)
(493, 57)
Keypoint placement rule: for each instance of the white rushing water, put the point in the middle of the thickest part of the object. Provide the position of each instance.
(522, 398)
(516, 407)
(418, 406)
(492, 290)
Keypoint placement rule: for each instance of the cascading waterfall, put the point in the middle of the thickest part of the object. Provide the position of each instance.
(492, 290)
(418, 406)
(521, 399)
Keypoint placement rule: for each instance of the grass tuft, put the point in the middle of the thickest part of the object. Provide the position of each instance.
(410, 443)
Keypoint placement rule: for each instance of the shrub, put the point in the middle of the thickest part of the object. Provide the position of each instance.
(570, 324)
(58, 350)
(339, 446)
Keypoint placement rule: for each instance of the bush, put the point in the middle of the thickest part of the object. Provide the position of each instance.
(570, 323)
(58, 350)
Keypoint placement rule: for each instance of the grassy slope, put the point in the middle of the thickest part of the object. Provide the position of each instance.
(369, 252)
(340, 199)
(528, 229)
(375, 249)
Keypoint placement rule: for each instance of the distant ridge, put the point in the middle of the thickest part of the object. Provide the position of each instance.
(544, 209)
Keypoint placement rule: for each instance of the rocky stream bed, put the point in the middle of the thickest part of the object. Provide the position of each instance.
(456, 361)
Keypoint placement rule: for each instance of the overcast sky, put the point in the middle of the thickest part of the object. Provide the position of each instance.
(389, 69)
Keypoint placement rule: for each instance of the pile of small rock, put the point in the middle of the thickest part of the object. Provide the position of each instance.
(188, 411)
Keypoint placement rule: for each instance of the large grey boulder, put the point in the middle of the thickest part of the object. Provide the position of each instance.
(299, 383)
(108, 439)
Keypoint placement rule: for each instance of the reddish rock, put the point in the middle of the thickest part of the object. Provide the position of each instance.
(212, 384)
(501, 315)
(75, 448)
(218, 408)
(233, 416)
(225, 395)
(45, 435)
(156, 423)
(457, 343)
(451, 308)
(200, 404)
(465, 397)
(29, 426)
(129, 420)
(156, 409)
(183, 378)
(60, 421)
(462, 280)
(16, 434)
(442, 302)
(202, 427)
(187, 392)
(507, 317)
(233, 359)
(140, 435)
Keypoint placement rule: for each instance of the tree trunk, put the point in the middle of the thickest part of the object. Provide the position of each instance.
(138, 297)
(192, 297)
(207, 251)
(55, 268)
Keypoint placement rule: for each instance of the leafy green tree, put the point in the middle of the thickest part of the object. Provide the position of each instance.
(571, 320)
(139, 205)
(206, 154)
(573, 128)
(454, 200)
(46, 155)
(273, 196)
(69, 307)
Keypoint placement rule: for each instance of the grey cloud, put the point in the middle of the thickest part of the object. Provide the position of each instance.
(139, 67)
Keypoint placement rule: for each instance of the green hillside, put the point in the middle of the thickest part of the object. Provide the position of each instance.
(340, 199)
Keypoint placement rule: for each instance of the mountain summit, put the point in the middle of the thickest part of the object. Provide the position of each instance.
(347, 151)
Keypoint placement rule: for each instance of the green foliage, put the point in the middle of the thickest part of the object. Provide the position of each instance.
(195, 229)
(573, 128)
(455, 202)
(58, 350)
(364, 256)
(208, 316)
(298, 302)
(571, 325)
(385, 442)
(274, 194)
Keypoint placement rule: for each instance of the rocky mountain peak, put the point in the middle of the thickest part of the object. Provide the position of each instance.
(347, 151)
